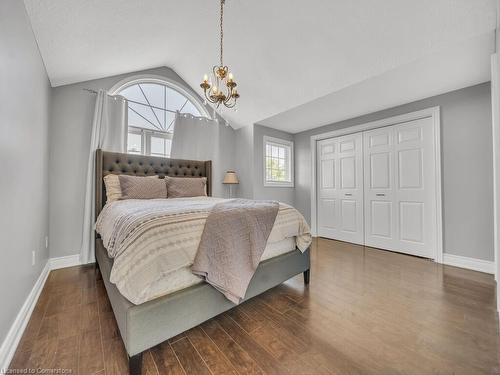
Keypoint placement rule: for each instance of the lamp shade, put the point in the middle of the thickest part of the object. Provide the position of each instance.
(230, 178)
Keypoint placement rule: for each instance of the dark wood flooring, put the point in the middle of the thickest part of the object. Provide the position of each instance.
(366, 311)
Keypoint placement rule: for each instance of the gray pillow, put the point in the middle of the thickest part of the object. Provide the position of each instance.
(135, 187)
(178, 187)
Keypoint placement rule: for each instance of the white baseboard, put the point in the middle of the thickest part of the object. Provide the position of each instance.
(63, 262)
(16, 331)
(469, 263)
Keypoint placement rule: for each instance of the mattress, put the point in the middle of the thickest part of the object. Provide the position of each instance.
(153, 242)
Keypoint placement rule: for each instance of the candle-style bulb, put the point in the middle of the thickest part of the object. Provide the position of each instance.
(230, 76)
(205, 78)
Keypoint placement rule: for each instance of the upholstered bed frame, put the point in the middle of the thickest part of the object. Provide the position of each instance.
(141, 165)
(146, 325)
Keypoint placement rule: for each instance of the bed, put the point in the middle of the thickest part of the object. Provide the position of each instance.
(149, 323)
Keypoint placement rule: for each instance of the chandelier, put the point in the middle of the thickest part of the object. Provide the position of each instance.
(221, 87)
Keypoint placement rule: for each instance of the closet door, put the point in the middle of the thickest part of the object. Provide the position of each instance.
(340, 188)
(400, 188)
(380, 221)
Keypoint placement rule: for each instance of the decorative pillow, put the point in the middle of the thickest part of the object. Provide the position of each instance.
(179, 187)
(113, 189)
(136, 187)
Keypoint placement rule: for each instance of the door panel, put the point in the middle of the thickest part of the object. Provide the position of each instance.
(380, 175)
(349, 215)
(347, 145)
(327, 149)
(410, 134)
(411, 217)
(340, 177)
(348, 172)
(328, 174)
(379, 139)
(327, 192)
(410, 169)
(326, 213)
(379, 187)
(406, 178)
(381, 219)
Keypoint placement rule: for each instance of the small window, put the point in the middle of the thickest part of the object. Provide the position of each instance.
(278, 162)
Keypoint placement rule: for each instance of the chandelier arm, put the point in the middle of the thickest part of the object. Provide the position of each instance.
(207, 97)
(228, 97)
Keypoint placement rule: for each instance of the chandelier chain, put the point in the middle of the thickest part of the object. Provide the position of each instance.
(221, 30)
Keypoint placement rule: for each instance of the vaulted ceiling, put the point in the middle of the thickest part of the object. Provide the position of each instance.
(299, 64)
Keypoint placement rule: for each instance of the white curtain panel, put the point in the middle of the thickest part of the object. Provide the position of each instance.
(198, 138)
(109, 133)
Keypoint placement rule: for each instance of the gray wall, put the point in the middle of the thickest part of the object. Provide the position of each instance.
(282, 194)
(244, 162)
(466, 166)
(249, 154)
(227, 137)
(72, 112)
(24, 124)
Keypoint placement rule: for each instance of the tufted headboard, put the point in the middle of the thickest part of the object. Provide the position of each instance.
(141, 165)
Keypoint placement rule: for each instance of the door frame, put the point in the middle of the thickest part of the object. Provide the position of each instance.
(434, 113)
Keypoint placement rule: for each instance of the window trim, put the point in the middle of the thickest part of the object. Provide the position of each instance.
(282, 142)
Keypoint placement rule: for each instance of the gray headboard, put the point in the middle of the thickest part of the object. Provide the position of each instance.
(141, 165)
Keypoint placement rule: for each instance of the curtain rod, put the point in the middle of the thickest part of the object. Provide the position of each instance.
(133, 101)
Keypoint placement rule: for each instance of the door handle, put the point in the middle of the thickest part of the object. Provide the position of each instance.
(348, 194)
(380, 195)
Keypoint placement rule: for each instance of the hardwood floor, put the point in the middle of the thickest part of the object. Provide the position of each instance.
(366, 311)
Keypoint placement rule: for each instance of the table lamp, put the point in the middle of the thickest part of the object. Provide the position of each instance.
(230, 179)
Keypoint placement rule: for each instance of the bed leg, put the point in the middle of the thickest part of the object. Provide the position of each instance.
(307, 275)
(97, 271)
(135, 364)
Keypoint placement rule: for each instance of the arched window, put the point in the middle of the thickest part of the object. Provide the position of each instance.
(152, 104)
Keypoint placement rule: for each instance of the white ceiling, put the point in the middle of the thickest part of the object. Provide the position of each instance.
(452, 68)
(284, 53)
